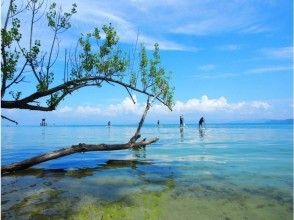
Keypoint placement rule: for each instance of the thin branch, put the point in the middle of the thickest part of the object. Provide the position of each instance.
(57, 53)
(30, 62)
(41, 63)
(130, 95)
(76, 52)
(15, 80)
(7, 16)
(34, 70)
(19, 11)
(65, 65)
(50, 55)
(134, 52)
(8, 119)
(44, 11)
(32, 23)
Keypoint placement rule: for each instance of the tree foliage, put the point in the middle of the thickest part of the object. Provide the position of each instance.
(95, 60)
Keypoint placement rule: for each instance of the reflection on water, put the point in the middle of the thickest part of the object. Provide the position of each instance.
(82, 172)
(139, 153)
(201, 134)
(220, 173)
(182, 134)
(43, 133)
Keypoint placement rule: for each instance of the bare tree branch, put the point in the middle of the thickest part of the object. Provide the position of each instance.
(57, 53)
(7, 15)
(130, 95)
(8, 119)
(50, 56)
(18, 76)
(33, 7)
(30, 61)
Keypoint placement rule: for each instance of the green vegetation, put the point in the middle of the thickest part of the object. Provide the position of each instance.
(95, 60)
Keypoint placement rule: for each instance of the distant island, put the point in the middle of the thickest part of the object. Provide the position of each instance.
(284, 121)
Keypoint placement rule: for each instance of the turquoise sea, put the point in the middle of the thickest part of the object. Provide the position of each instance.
(228, 171)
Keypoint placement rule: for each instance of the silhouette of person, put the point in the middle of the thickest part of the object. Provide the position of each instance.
(181, 121)
(109, 124)
(158, 123)
(201, 123)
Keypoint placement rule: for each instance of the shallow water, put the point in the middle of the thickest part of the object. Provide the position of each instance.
(226, 172)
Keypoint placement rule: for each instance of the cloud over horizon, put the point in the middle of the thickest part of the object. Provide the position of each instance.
(194, 105)
(125, 111)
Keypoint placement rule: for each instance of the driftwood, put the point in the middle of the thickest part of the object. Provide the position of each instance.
(72, 150)
(133, 143)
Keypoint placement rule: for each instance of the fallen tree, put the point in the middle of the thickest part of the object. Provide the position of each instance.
(81, 148)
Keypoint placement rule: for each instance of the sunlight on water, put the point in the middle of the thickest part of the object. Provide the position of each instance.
(225, 172)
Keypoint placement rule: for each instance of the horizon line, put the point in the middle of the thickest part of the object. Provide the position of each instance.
(270, 121)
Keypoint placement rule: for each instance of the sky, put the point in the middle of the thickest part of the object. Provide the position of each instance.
(230, 60)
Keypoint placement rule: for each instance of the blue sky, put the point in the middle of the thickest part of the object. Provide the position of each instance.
(231, 60)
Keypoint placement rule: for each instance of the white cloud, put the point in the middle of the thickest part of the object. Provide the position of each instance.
(216, 17)
(216, 75)
(128, 30)
(65, 109)
(190, 17)
(126, 106)
(88, 110)
(255, 29)
(279, 52)
(270, 69)
(212, 74)
(207, 67)
(219, 109)
(230, 47)
(203, 105)
(260, 105)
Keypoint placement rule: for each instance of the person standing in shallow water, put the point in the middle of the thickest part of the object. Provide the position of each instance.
(109, 124)
(181, 121)
(201, 123)
(158, 123)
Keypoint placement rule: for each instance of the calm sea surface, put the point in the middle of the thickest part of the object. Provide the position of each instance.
(228, 171)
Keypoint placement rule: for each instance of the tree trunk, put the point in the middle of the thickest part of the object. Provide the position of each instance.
(137, 133)
(72, 150)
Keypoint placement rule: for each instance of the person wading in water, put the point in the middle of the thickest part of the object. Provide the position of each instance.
(201, 123)
(181, 121)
